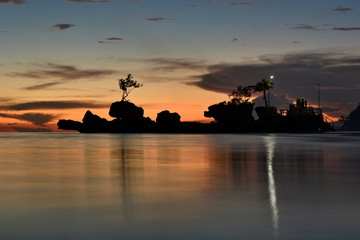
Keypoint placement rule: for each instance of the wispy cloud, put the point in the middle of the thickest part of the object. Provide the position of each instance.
(66, 72)
(44, 85)
(39, 119)
(240, 4)
(16, 2)
(5, 99)
(111, 40)
(295, 75)
(62, 26)
(114, 39)
(157, 19)
(342, 9)
(302, 26)
(346, 28)
(90, 1)
(49, 105)
(63, 72)
(172, 64)
(325, 27)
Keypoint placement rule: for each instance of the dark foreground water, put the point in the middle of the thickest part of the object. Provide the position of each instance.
(169, 187)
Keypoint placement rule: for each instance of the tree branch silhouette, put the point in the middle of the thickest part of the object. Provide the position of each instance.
(127, 85)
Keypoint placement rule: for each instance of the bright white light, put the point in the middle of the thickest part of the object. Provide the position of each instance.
(272, 77)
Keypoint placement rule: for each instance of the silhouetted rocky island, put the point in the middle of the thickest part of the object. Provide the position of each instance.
(234, 116)
(352, 122)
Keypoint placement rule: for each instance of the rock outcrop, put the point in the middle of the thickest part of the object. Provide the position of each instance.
(229, 118)
(129, 118)
(353, 122)
(167, 121)
(126, 111)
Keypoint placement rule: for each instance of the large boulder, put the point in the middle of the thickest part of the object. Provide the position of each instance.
(126, 110)
(91, 119)
(168, 122)
(231, 114)
(167, 118)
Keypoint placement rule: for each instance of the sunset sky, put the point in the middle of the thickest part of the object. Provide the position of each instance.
(62, 57)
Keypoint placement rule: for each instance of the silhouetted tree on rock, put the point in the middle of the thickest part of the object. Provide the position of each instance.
(127, 85)
(124, 109)
(129, 117)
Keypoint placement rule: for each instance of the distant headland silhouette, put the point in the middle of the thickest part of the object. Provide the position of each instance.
(352, 122)
(234, 116)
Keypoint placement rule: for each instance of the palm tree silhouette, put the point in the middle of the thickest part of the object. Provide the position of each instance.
(264, 86)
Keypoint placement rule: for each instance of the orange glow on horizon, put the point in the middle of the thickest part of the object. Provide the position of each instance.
(187, 112)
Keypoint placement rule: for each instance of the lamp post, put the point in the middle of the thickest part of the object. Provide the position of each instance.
(271, 78)
(318, 88)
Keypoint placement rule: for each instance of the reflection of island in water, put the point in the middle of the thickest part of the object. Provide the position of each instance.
(249, 171)
(298, 179)
(276, 183)
(184, 186)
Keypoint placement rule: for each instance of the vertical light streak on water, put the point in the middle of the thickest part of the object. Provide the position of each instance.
(270, 146)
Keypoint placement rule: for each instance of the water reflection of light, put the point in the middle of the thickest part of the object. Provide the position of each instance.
(270, 146)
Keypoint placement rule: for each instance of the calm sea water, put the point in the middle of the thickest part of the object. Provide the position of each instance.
(163, 186)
